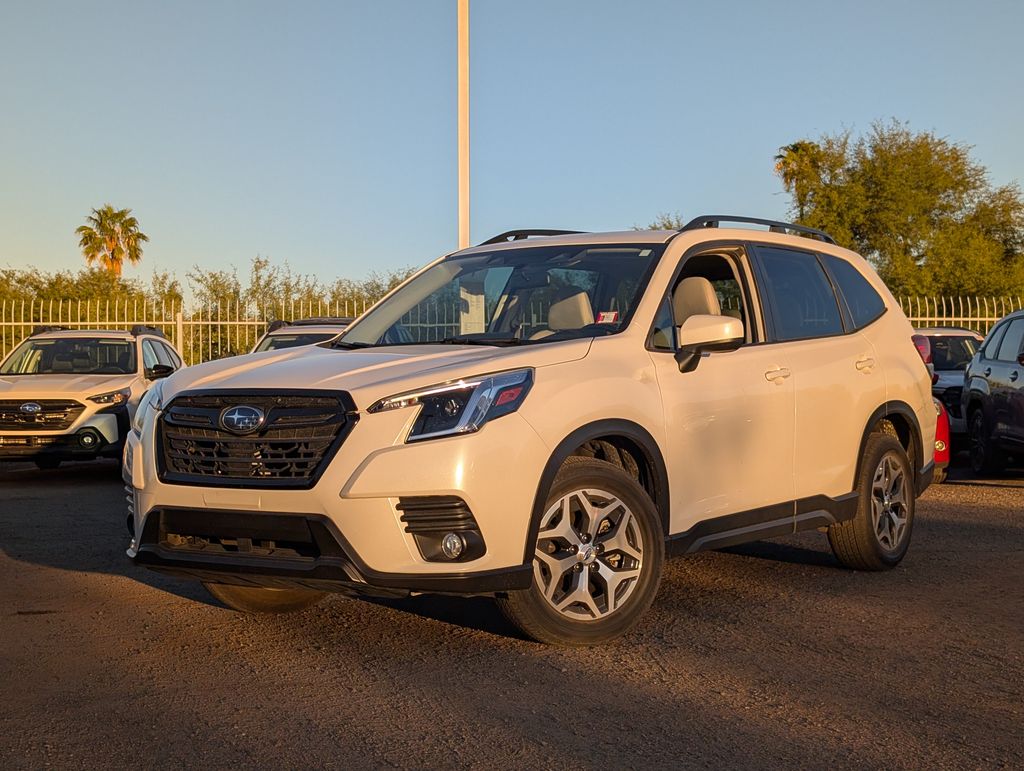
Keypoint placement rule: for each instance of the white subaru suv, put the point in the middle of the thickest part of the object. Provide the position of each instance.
(538, 419)
(71, 394)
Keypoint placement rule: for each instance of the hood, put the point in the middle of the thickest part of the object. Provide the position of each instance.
(370, 374)
(77, 387)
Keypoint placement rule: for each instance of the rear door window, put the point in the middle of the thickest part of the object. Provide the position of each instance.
(798, 294)
(1009, 348)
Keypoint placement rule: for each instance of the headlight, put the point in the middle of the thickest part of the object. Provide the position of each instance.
(112, 397)
(151, 400)
(461, 407)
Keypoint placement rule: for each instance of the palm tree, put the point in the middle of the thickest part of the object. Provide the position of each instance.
(110, 237)
(792, 164)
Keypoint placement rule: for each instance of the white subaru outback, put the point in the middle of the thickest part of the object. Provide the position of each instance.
(71, 394)
(538, 419)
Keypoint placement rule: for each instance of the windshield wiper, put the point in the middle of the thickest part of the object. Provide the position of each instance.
(477, 341)
(351, 346)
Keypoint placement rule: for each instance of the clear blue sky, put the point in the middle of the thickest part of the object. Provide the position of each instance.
(324, 133)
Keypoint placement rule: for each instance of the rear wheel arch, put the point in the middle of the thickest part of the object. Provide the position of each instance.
(622, 443)
(896, 418)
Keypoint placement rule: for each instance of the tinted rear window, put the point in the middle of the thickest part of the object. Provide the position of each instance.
(864, 303)
(799, 294)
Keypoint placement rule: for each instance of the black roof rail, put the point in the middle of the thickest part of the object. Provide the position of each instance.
(41, 328)
(145, 329)
(774, 226)
(520, 235)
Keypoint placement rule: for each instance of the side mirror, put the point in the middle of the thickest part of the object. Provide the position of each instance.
(1020, 359)
(702, 334)
(158, 371)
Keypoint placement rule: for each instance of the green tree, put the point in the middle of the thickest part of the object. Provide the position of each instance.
(916, 204)
(109, 237)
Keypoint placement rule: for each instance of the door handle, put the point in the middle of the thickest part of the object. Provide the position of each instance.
(1014, 375)
(988, 371)
(865, 365)
(777, 375)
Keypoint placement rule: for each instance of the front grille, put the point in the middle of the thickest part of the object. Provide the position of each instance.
(300, 433)
(53, 415)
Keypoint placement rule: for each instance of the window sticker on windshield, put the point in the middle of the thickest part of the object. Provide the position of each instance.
(608, 317)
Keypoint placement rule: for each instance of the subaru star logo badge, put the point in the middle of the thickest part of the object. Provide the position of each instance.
(30, 408)
(242, 419)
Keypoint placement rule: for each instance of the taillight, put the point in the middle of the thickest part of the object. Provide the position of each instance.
(924, 347)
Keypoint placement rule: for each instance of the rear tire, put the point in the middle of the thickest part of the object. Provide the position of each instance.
(598, 558)
(985, 459)
(878, 537)
(256, 599)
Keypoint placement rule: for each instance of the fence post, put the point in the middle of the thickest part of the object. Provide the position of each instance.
(179, 330)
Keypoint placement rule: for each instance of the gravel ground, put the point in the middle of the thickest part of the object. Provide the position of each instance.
(762, 655)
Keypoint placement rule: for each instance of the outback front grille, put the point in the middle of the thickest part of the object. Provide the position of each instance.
(52, 415)
(300, 432)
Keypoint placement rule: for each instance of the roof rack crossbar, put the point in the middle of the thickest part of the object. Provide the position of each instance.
(774, 226)
(520, 235)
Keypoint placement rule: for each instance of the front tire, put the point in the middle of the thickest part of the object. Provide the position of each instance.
(256, 599)
(597, 559)
(878, 537)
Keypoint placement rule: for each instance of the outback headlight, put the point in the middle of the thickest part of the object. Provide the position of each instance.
(112, 397)
(461, 407)
(151, 400)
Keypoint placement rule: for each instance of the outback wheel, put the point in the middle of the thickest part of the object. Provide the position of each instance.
(877, 538)
(255, 599)
(985, 459)
(597, 560)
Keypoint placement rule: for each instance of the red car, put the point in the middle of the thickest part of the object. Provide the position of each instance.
(941, 442)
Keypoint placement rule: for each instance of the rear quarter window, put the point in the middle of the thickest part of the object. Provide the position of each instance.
(862, 301)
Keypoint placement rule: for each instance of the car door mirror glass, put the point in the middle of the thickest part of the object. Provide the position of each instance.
(158, 371)
(701, 334)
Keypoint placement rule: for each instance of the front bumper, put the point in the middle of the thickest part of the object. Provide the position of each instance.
(315, 556)
(353, 515)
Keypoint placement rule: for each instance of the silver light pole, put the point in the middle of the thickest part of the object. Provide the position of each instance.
(463, 51)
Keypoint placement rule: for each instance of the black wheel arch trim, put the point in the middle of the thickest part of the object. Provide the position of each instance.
(596, 430)
(904, 410)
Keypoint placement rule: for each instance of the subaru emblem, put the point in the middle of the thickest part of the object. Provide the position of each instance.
(242, 419)
(31, 408)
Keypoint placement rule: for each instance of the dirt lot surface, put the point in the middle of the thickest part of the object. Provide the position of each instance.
(761, 655)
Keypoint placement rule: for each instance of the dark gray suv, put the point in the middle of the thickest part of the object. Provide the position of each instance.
(993, 396)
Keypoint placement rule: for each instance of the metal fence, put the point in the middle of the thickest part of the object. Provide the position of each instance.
(977, 313)
(213, 332)
(200, 333)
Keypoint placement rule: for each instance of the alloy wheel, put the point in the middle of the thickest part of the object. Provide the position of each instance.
(889, 509)
(589, 554)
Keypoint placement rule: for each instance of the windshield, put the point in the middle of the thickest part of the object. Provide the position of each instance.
(953, 352)
(277, 342)
(71, 356)
(509, 296)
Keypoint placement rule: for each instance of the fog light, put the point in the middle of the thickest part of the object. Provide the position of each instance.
(452, 545)
(940, 445)
(87, 440)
